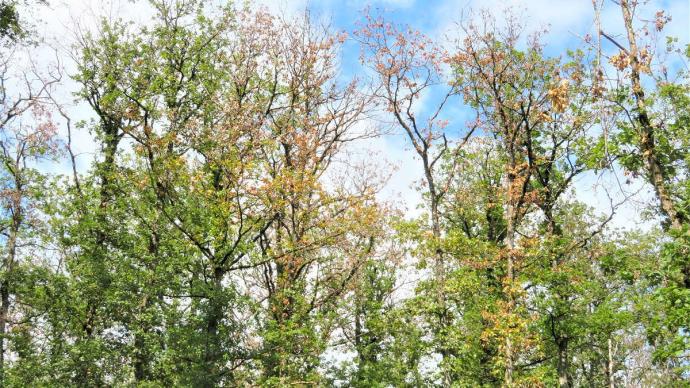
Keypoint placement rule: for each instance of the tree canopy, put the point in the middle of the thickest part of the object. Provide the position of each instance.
(228, 230)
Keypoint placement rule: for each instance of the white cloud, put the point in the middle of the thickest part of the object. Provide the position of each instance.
(563, 18)
(289, 7)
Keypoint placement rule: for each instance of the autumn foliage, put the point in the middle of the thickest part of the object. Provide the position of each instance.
(229, 226)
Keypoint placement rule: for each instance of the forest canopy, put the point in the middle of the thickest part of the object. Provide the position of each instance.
(216, 194)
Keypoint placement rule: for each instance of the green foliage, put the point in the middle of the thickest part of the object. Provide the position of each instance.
(9, 21)
(224, 236)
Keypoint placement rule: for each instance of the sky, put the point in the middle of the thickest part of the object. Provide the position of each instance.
(568, 21)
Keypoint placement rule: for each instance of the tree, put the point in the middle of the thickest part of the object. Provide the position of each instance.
(322, 228)
(537, 109)
(225, 234)
(648, 98)
(407, 66)
(27, 135)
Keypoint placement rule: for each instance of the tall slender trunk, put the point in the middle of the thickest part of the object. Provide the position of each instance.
(4, 291)
(4, 309)
(364, 344)
(563, 363)
(280, 307)
(5, 296)
(609, 366)
(141, 354)
(99, 255)
(655, 170)
(439, 267)
(434, 200)
(212, 352)
(510, 275)
(8, 265)
(562, 342)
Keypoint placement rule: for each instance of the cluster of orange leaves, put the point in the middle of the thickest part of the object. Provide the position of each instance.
(558, 95)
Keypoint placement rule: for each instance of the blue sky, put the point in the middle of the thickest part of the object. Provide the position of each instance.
(566, 18)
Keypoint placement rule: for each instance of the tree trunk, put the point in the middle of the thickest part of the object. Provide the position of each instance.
(8, 264)
(655, 170)
(439, 267)
(142, 356)
(140, 359)
(563, 364)
(366, 355)
(100, 254)
(609, 366)
(510, 277)
(4, 310)
(214, 317)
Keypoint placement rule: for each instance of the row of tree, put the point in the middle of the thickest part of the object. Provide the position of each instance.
(225, 235)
